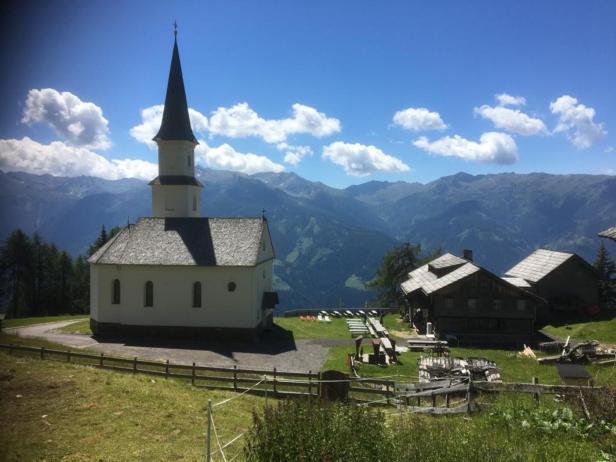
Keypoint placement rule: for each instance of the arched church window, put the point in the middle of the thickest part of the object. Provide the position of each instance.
(231, 286)
(115, 292)
(149, 294)
(194, 203)
(188, 159)
(196, 296)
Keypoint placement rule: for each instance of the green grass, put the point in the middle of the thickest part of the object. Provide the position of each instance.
(601, 330)
(16, 322)
(56, 411)
(314, 329)
(80, 327)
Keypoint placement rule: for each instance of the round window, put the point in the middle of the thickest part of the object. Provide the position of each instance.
(231, 286)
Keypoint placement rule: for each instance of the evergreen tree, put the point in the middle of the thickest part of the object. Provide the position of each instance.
(16, 264)
(81, 287)
(607, 274)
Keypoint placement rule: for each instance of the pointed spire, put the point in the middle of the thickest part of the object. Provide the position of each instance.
(176, 123)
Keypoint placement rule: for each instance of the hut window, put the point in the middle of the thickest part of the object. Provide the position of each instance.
(497, 304)
(471, 303)
(115, 292)
(149, 294)
(231, 286)
(196, 296)
(449, 303)
(521, 305)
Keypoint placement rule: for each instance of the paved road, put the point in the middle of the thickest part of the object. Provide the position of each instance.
(284, 354)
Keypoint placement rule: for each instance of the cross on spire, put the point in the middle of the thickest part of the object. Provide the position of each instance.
(175, 30)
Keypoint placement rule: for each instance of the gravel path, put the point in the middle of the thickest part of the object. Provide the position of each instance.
(284, 354)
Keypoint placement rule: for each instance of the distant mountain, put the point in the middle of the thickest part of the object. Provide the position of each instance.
(329, 241)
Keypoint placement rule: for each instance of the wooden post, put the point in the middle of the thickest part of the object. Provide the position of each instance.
(235, 377)
(274, 383)
(447, 400)
(192, 378)
(101, 360)
(433, 400)
(208, 454)
(42, 352)
(135, 365)
(167, 369)
(536, 395)
(309, 383)
(319, 384)
(387, 392)
(265, 380)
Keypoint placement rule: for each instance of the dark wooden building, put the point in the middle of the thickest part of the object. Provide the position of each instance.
(566, 281)
(469, 304)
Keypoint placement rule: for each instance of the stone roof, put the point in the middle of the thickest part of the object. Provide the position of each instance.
(538, 264)
(185, 242)
(518, 282)
(610, 233)
(429, 282)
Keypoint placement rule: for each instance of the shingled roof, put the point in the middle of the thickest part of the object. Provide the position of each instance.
(610, 233)
(185, 242)
(539, 264)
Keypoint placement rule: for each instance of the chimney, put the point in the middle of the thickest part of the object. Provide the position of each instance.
(468, 254)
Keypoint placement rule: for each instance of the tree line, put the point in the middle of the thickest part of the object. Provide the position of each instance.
(38, 279)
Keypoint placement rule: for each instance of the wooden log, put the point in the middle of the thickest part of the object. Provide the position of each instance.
(192, 375)
(530, 388)
(462, 409)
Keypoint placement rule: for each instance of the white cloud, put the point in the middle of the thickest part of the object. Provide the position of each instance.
(227, 158)
(504, 99)
(152, 117)
(361, 160)
(60, 159)
(241, 121)
(609, 149)
(576, 121)
(493, 147)
(80, 123)
(419, 119)
(294, 154)
(512, 120)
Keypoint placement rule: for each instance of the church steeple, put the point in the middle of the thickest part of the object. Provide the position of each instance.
(176, 123)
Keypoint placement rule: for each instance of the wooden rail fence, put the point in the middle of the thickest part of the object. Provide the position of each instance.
(273, 382)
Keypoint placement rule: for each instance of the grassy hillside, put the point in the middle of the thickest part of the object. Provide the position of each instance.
(602, 330)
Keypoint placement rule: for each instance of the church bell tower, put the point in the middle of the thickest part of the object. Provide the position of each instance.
(176, 192)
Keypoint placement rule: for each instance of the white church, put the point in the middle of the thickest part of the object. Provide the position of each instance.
(177, 273)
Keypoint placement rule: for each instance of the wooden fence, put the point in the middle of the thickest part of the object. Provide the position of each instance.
(272, 382)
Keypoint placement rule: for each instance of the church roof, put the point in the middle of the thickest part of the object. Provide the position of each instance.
(176, 122)
(185, 242)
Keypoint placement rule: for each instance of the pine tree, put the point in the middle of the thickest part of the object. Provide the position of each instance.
(607, 274)
(17, 275)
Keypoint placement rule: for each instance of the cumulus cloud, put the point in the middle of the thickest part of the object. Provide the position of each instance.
(576, 121)
(493, 147)
(419, 119)
(293, 154)
(227, 158)
(152, 117)
(504, 99)
(512, 120)
(80, 123)
(361, 160)
(241, 121)
(61, 159)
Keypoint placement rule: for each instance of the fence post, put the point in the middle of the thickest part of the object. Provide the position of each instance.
(309, 383)
(208, 454)
(387, 392)
(42, 352)
(101, 360)
(447, 400)
(135, 365)
(319, 384)
(235, 377)
(192, 379)
(274, 382)
(265, 379)
(536, 395)
(167, 369)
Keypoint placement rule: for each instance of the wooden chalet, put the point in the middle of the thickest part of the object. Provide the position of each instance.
(566, 281)
(468, 304)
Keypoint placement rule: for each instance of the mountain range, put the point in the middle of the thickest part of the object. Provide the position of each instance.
(330, 241)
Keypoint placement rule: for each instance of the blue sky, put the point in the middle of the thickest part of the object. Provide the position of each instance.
(314, 87)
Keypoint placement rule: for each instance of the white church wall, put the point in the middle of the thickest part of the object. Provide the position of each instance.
(176, 201)
(173, 288)
(176, 158)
